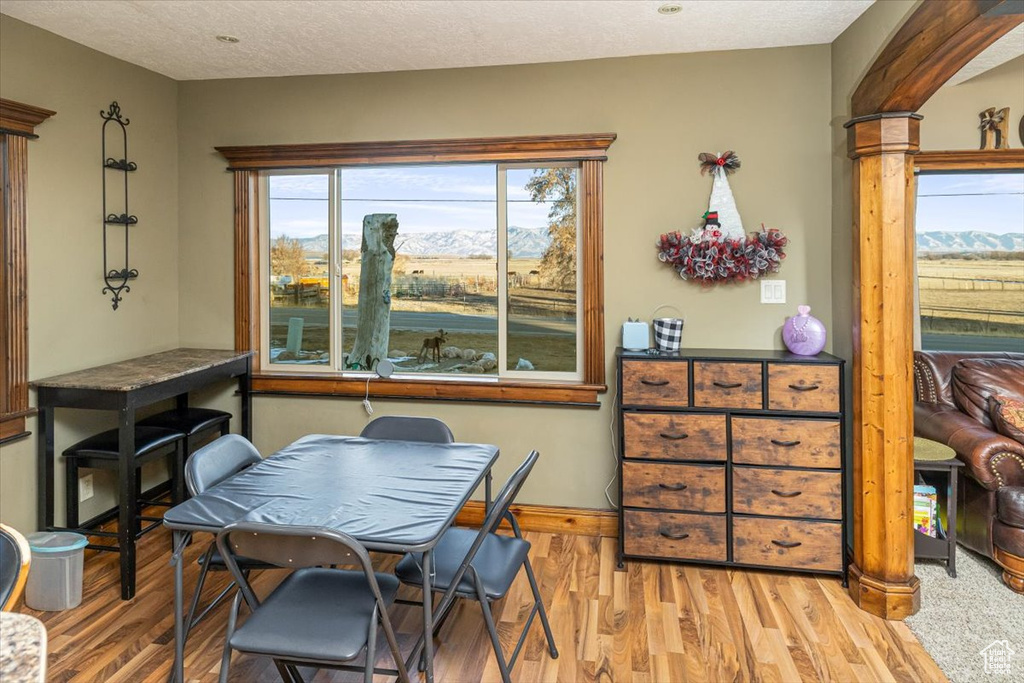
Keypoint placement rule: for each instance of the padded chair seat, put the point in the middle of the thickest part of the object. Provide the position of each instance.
(217, 561)
(496, 563)
(190, 422)
(315, 614)
(104, 445)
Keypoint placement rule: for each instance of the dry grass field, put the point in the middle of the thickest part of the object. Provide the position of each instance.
(972, 296)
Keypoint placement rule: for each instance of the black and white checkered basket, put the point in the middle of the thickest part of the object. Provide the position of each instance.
(668, 333)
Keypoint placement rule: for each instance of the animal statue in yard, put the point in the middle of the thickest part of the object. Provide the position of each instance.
(433, 346)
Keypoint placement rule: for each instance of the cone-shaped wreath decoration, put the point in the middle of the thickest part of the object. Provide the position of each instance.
(721, 251)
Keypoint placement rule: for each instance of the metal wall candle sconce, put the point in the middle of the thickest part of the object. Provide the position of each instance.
(117, 279)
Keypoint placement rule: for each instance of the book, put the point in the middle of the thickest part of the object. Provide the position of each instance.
(925, 510)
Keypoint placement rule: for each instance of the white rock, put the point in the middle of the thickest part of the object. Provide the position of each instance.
(469, 354)
(488, 363)
(451, 352)
(473, 369)
(524, 364)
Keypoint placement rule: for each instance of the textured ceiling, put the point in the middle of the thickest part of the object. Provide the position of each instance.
(1003, 50)
(289, 37)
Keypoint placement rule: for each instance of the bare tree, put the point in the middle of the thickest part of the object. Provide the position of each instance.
(558, 186)
(288, 258)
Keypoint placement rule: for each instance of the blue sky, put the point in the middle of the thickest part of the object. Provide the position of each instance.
(988, 202)
(426, 199)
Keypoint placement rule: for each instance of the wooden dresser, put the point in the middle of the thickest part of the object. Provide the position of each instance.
(732, 457)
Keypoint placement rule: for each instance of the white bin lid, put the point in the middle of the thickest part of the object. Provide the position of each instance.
(55, 541)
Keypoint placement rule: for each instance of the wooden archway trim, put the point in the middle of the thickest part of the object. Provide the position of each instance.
(935, 42)
(938, 40)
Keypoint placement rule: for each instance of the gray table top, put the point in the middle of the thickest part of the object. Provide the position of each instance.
(136, 373)
(390, 495)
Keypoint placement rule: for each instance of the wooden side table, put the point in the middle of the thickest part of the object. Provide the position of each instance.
(931, 456)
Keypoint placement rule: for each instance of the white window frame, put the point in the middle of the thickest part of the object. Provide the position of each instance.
(336, 330)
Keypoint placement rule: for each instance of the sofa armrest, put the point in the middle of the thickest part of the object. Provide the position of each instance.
(993, 460)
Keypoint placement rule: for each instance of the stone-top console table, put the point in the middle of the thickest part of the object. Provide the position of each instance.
(125, 387)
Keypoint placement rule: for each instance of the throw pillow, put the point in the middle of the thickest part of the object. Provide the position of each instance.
(976, 380)
(1008, 417)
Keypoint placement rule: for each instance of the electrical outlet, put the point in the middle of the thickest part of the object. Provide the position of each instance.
(85, 490)
(773, 291)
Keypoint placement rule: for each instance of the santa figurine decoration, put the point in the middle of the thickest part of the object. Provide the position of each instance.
(720, 250)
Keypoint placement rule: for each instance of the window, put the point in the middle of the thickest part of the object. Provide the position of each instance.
(448, 310)
(970, 260)
(474, 266)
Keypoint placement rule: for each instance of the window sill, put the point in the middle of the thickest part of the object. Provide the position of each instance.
(12, 427)
(498, 391)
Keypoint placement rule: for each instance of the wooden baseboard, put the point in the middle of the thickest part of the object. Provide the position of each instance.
(550, 519)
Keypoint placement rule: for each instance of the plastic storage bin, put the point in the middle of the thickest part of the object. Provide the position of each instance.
(55, 577)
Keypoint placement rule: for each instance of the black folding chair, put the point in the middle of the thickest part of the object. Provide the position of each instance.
(482, 565)
(404, 428)
(317, 616)
(209, 466)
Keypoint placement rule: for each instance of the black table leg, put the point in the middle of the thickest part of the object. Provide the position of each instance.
(44, 467)
(181, 402)
(951, 521)
(244, 389)
(127, 520)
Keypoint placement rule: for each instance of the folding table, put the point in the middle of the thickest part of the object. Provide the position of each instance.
(392, 496)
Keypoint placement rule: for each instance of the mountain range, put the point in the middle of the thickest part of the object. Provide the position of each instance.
(522, 243)
(968, 241)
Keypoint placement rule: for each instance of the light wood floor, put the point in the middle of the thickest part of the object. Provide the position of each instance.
(654, 623)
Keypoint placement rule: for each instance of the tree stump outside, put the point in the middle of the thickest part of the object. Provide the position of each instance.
(377, 259)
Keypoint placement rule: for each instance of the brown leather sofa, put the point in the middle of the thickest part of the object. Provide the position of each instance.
(952, 391)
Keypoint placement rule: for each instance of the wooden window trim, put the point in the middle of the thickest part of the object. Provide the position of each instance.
(17, 125)
(590, 151)
(970, 160)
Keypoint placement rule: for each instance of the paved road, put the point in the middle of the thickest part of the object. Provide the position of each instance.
(965, 342)
(415, 320)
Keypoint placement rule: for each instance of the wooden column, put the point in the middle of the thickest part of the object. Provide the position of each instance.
(882, 577)
(17, 125)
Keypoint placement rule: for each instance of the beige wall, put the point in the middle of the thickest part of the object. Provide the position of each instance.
(951, 114)
(71, 325)
(771, 106)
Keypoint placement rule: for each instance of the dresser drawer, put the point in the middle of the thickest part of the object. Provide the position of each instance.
(781, 441)
(726, 385)
(675, 535)
(699, 488)
(803, 387)
(788, 543)
(655, 383)
(674, 436)
(786, 493)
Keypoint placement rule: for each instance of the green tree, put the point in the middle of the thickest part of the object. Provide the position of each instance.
(558, 187)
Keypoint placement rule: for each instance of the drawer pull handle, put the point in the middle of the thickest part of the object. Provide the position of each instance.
(786, 494)
(787, 544)
(655, 382)
(804, 387)
(787, 444)
(728, 385)
(673, 437)
(673, 487)
(673, 536)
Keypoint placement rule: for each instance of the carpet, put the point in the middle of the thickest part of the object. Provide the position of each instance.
(961, 617)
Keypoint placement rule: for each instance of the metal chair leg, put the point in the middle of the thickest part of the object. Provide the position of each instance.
(493, 632)
(225, 660)
(543, 613)
(70, 493)
(371, 647)
(199, 591)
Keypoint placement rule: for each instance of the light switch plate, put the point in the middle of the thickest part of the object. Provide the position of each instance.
(773, 291)
(85, 490)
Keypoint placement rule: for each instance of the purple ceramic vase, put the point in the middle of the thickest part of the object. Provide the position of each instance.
(804, 334)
